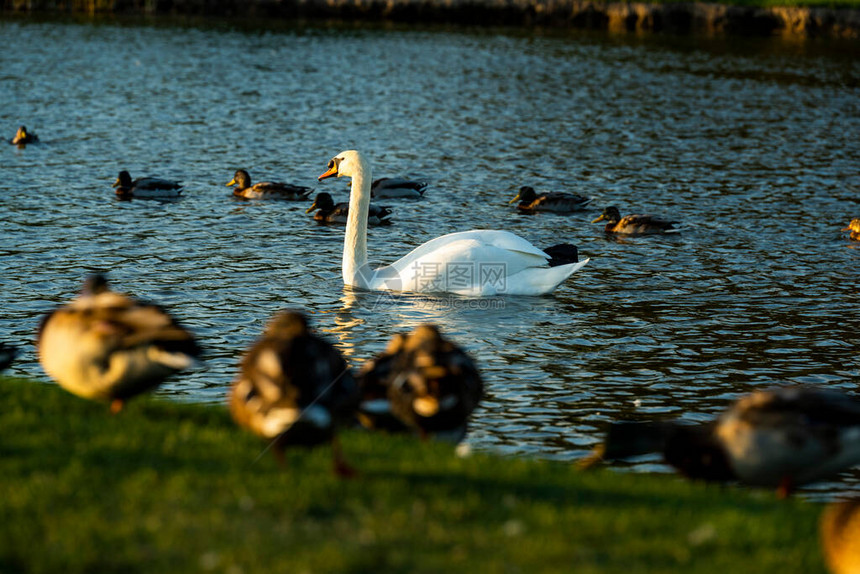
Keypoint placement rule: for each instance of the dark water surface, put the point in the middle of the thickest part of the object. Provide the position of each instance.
(753, 145)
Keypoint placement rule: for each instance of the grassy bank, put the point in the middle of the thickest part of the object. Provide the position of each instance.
(167, 487)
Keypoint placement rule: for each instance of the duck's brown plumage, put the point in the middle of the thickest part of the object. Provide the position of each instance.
(840, 536)
(108, 346)
(430, 384)
(555, 202)
(780, 438)
(635, 224)
(294, 387)
(266, 189)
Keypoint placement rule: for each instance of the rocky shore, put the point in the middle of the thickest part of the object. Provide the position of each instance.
(681, 17)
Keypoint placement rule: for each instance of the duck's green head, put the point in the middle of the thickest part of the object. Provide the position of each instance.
(123, 180)
(610, 215)
(526, 194)
(323, 201)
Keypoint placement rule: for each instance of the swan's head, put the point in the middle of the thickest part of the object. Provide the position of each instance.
(346, 163)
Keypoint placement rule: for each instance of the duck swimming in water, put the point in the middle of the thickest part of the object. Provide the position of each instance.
(635, 224)
(146, 187)
(555, 202)
(329, 212)
(266, 189)
(22, 137)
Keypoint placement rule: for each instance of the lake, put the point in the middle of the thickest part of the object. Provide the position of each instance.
(751, 144)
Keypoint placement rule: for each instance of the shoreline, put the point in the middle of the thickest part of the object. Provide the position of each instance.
(616, 17)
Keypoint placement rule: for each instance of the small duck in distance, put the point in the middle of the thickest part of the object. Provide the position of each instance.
(266, 189)
(107, 346)
(295, 388)
(329, 212)
(146, 187)
(396, 188)
(554, 201)
(854, 228)
(635, 224)
(780, 438)
(23, 137)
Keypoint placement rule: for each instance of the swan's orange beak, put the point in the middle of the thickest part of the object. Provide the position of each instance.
(330, 173)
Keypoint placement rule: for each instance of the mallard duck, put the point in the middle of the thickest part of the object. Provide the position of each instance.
(294, 388)
(840, 536)
(854, 228)
(421, 382)
(266, 189)
(396, 188)
(329, 212)
(22, 136)
(556, 202)
(7, 355)
(145, 187)
(780, 438)
(635, 224)
(107, 346)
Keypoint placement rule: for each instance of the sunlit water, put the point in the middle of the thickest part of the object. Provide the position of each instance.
(753, 145)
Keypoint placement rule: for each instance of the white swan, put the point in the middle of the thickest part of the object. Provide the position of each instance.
(476, 263)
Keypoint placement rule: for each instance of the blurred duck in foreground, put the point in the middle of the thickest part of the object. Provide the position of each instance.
(854, 228)
(556, 202)
(396, 188)
(23, 137)
(266, 189)
(329, 212)
(635, 224)
(146, 187)
(840, 536)
(781, 438)
(421, 382)
(7, 355)
(294, 388)
(107, 346)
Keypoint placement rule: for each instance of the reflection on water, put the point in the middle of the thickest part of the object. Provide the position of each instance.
(751, 144)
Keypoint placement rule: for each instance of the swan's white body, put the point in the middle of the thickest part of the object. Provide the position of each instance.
(475, 263)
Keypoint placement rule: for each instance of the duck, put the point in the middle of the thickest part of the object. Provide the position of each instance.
(23, 137)
(635, 224)
(107, 346)
(295, 388)
(146, 187)
(854, 228)
(329, 212)
(7, 355)
(556, 202)
(397, 188)
(840, 532)
(779, 438)
(266, 189)
(471, 263)
(421, 383)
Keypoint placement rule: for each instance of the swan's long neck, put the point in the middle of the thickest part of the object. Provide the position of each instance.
(355, 241)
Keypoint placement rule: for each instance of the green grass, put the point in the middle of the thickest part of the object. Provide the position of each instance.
(168, 487)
